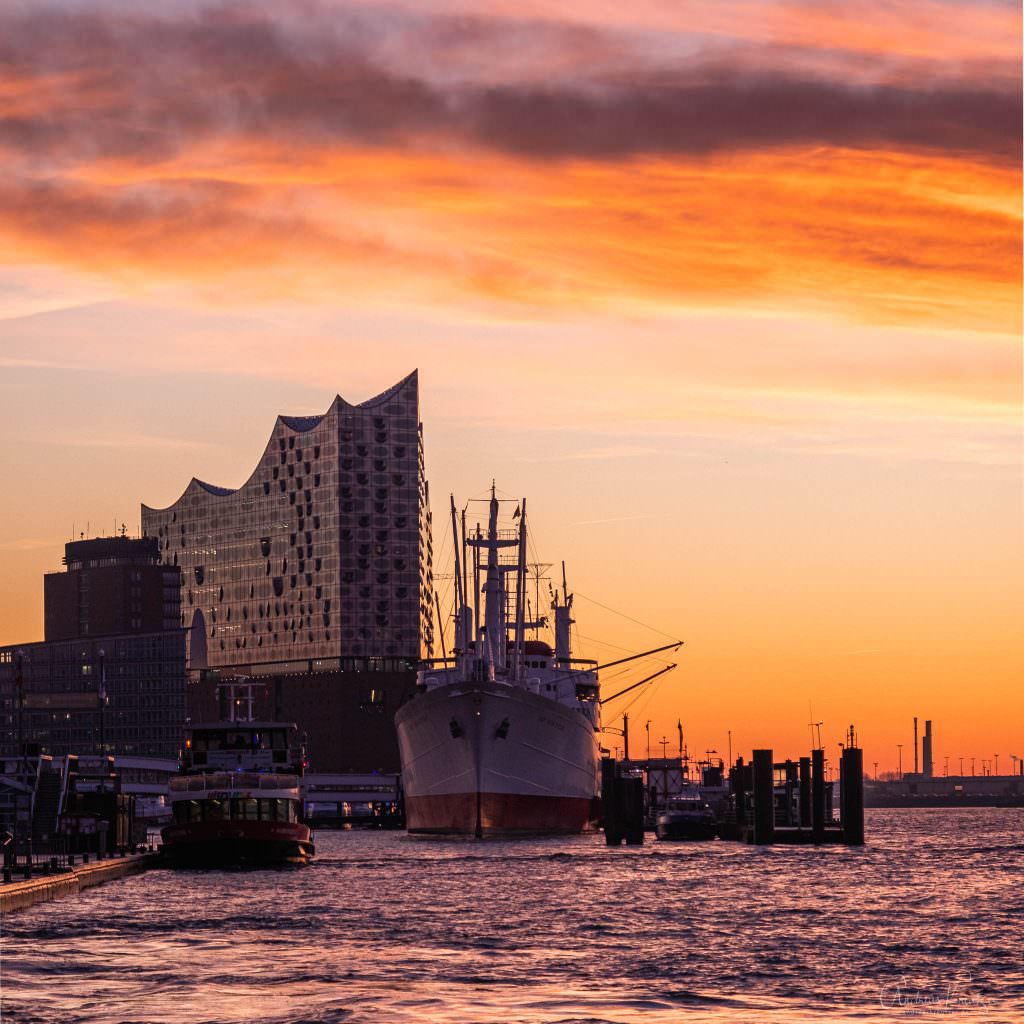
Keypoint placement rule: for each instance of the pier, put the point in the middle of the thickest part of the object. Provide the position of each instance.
(762, 801)
(791, 801)
(43, 888)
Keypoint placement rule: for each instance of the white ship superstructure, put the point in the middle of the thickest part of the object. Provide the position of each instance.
(503, 738)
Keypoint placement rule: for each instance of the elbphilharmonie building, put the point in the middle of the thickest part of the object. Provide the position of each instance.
(320, 563)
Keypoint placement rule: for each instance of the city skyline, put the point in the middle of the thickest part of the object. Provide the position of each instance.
(733, 297)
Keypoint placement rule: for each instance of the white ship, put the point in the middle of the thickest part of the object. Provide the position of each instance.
(503, 739)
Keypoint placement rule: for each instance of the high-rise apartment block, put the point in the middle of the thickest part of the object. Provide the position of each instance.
(110, 674)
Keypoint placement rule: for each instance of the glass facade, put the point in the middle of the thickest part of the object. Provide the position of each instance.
(324, 552)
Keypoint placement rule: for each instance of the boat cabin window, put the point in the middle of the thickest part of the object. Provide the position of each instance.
(217, 810)
(188, 810)
(244, 810)
(240, 739)
(236, 809)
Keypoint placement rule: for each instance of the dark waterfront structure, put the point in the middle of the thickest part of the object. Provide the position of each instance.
(110, 675)
(113, 585)
(314, 577)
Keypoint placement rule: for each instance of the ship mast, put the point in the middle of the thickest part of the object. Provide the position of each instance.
(563, 621)
(494, 595)
(520, 594)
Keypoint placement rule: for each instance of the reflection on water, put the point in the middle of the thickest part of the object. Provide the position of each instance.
(924, 923)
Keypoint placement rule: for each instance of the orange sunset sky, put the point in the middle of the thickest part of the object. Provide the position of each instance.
(730, 290)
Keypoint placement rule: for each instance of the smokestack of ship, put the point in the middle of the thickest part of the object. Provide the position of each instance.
(926, 749)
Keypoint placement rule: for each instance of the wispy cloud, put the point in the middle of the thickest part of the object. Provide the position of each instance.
(612, 519)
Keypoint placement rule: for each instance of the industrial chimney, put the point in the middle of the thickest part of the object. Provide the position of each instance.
(926, 749)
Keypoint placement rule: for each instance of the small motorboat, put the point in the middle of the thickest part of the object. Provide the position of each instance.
(687, 817)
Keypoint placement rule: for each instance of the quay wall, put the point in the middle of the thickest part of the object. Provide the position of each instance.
(21, 895)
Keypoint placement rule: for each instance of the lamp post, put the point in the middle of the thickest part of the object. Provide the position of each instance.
(876, 771)
(997, 764)
(648, 728)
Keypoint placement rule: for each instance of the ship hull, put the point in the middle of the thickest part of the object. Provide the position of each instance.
(237, 844)
(489, 759)
(680, 828)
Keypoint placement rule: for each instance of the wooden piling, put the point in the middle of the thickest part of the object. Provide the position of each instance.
(613, 835)
(790, 815)
(818, 795)
(738, 778)
(851, 787)
(805, 792)
(764, 798)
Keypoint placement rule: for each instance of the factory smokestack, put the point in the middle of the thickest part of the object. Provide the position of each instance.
(926, 749)
(915, 744)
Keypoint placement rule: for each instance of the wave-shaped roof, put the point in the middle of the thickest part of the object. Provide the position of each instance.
(300, 425)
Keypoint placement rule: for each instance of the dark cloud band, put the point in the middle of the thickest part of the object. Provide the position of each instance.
(147, 88)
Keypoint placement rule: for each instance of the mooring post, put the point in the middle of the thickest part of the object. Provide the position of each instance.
(791, 784)
(609, 803)
(852, 784)
(764, 797)
(739, 792)
(805, 792)
(818, 795)
(630, 800)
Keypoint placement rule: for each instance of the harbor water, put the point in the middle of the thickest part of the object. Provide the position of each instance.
(925, 922)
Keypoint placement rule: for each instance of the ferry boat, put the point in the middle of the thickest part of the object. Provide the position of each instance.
(502, 737)
(237, 800)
